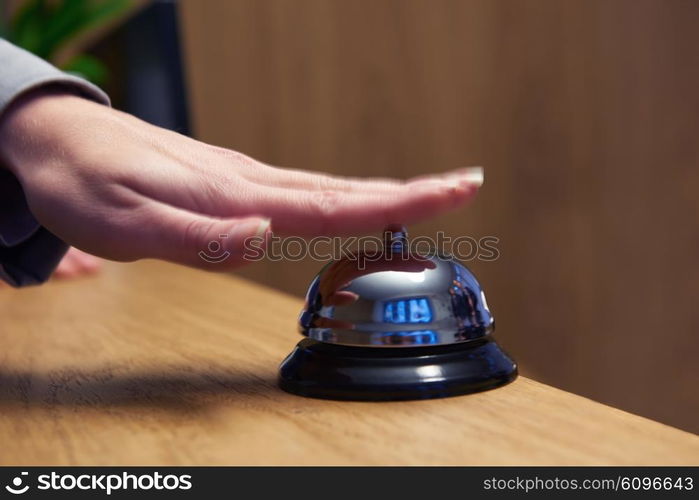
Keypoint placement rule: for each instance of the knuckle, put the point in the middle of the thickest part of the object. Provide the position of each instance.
(197, 233)
(326, 202)
(326, 206)
(323, 183)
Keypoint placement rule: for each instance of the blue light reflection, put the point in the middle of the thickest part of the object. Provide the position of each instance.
(413, 310)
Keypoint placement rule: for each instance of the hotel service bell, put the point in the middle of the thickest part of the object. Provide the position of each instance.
(390, 325)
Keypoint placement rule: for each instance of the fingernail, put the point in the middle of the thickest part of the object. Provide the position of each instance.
(254, 227)
(262, 228)
(474, 175)
(452, 183)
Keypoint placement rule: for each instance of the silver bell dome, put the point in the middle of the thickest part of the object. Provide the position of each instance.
(394, 298)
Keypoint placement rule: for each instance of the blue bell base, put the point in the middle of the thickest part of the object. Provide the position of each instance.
(328, 371)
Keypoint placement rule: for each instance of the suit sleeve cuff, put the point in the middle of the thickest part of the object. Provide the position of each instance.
(28, 252)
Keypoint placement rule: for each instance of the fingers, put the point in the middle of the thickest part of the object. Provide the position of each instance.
(298, 179)
(66, 268)
(334, 212)
(77, 263)
(308, 204)
(201, 241)
(268, 175)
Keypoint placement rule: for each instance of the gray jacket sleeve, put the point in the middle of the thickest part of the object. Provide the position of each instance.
(28, 252)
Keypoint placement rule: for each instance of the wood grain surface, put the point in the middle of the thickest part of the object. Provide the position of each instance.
(150, 363)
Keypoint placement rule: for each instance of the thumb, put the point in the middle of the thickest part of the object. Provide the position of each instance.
(206, 242)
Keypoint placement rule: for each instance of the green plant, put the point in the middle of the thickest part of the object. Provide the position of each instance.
(44, 27)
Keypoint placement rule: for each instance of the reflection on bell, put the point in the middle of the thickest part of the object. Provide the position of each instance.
(395, 325)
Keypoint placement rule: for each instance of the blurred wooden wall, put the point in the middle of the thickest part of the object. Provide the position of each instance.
(584, 113)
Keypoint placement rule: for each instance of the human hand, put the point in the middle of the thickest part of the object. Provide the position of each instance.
(77, 263)
(117, 187)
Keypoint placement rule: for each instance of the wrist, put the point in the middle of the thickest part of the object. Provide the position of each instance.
(34, 126)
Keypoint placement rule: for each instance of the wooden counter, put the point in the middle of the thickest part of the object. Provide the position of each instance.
(150, 363)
